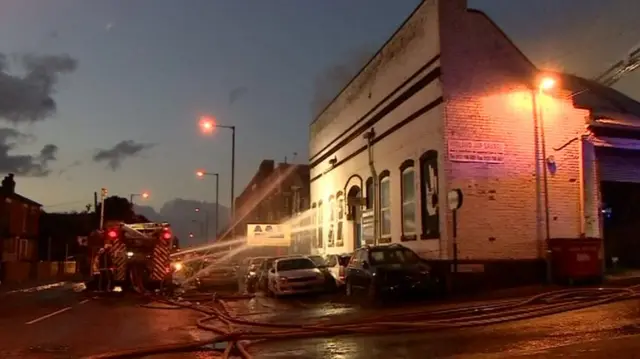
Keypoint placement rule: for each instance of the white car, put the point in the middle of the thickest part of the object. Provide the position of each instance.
(336, 264)
(295, 275)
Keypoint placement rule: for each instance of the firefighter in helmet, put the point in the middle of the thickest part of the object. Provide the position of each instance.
(105, 265)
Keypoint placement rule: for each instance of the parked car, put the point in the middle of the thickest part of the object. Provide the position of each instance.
(295, 275)
(337, 264)
(222, 274)
(321, 264)
(263, 273)
(387, 270)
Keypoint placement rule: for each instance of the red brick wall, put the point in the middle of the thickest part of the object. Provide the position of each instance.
(487, 85)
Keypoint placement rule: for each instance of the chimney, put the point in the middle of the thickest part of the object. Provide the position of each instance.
(9, 184)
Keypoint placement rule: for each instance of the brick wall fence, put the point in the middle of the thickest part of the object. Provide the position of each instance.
(21, 272)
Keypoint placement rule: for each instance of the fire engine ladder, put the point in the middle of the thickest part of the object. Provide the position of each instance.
(625, 66)
(133, 233)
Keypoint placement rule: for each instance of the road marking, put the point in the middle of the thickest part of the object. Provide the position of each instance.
(48, 315)
(84, 301)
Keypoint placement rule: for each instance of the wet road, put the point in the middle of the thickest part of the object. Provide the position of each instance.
(59, 323)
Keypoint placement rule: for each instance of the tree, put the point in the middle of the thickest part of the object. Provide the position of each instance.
(117, 209)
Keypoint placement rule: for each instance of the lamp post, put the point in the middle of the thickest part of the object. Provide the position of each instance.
(202, 174)
(545, 83)
(206, 221)
(144, 195)
(208, 125)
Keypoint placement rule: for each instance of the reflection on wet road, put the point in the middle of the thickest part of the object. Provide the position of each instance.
(95, 325)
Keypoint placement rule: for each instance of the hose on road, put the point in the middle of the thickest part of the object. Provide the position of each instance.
(240, 331)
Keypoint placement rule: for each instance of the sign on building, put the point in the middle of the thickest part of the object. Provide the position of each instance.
(476, 151)
(367, 227)
(268, 235)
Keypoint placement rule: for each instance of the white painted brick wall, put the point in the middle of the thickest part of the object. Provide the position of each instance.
(409, 50)
(487, 99)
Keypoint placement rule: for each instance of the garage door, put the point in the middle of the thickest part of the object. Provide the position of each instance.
(618, 165)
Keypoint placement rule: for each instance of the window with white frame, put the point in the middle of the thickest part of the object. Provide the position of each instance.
(314, 226)
(408, 196)
(332, 220)
(385, 205)
(340, 220)
(320, 225)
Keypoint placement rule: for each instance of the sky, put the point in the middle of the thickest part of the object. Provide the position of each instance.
(130, 79)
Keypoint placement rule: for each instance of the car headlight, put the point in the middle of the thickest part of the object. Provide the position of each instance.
(129, 254)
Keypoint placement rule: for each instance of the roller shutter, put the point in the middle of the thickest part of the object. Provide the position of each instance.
(618, 165)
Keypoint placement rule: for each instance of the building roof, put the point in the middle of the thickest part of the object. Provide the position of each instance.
(598, 98)
(18, 197)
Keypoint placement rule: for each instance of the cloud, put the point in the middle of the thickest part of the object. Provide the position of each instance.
(121, 151)
(36, 165)
(27, 96)
(236, 94)
(69, 167)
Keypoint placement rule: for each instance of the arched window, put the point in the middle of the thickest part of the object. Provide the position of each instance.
(369, 193)
(320, 225)
(332, 220)
(429, 198)
(385, 205)
(314, 226)
(408, 196)
(340, 219)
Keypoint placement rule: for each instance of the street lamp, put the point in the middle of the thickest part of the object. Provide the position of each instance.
(144, 195)
(546, 83)
(202, 174)
(208, 126)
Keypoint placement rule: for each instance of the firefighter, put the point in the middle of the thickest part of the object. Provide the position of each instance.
(105, 264)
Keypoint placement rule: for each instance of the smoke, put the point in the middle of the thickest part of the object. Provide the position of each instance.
(24, 165)
(27, 96)
(335, 77)
(115, 155)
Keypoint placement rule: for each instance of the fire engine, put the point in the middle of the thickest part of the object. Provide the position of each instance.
(140, 254)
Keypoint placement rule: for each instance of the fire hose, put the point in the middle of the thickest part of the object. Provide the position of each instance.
(214, 309)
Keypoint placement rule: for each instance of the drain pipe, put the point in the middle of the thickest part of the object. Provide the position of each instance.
(369, 136)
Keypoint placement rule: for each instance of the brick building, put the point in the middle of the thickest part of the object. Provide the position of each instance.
(449, 102)
(19, 218)
(276, 193)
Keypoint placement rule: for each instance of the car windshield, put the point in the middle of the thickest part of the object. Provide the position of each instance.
(393, 255)
(318, 260)
(295, 264)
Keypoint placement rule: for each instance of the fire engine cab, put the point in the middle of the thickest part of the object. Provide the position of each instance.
(140, 254)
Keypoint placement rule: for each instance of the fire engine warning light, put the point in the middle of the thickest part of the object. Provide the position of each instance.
(112, 234)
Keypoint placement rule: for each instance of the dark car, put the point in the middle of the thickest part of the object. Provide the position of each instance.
(389, 270)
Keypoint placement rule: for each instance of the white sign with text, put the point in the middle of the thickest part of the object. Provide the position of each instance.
(268, 235)
(476, 151)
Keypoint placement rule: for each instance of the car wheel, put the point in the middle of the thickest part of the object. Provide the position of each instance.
(349, 288)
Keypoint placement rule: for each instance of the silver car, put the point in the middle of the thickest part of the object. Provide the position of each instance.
(295, 275)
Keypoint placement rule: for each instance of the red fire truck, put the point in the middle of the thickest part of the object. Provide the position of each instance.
(140, 254)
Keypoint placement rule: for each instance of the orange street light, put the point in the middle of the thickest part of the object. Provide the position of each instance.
(547, 83)
(197, 210)
(144, 195)
(207, 124)
(200, 174)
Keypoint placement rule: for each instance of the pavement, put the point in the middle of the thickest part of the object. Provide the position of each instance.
(61, 323)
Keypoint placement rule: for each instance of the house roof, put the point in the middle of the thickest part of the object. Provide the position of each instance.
(19, 197)
(598, 98)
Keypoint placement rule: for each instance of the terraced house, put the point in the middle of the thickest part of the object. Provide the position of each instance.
(449, 102)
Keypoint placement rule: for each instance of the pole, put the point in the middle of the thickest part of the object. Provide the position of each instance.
(455, 242)
(217, 205)
(103, 194)
(233, 177)
(538, 114)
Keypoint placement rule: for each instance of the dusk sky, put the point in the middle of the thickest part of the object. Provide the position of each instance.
(147, 69)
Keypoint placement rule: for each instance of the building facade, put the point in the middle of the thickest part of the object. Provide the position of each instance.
(277, 193)
(19, 222)
(449, 102)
